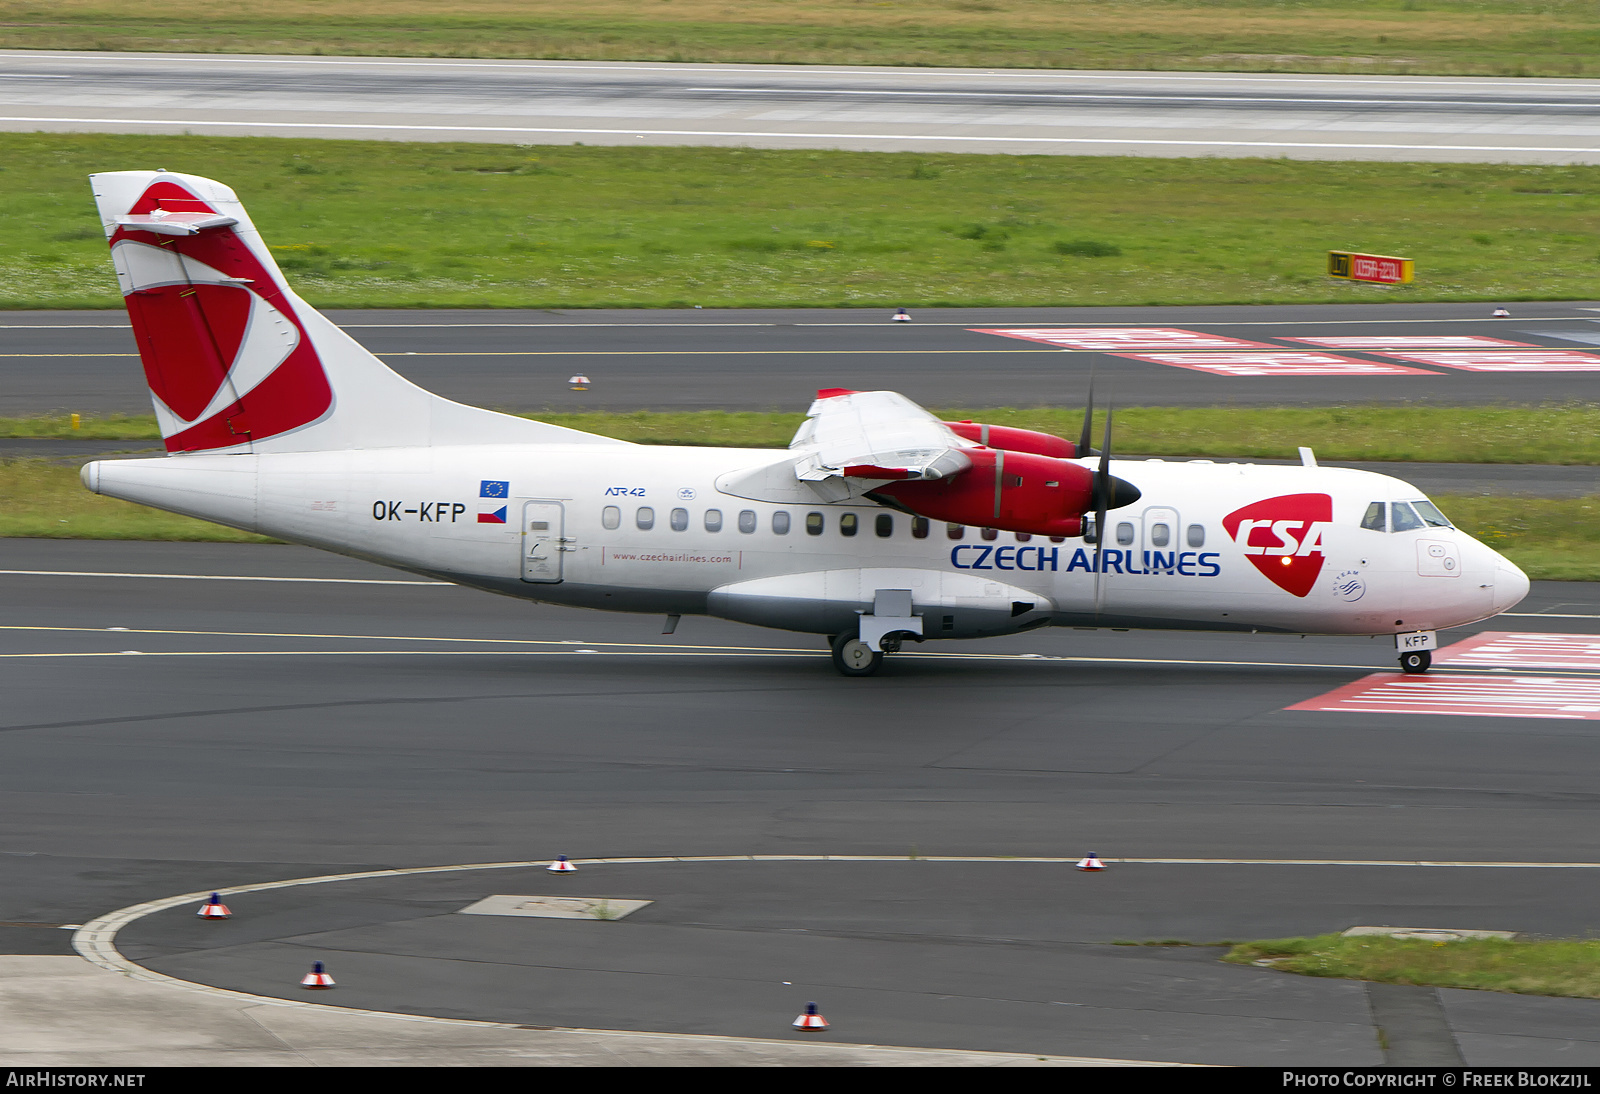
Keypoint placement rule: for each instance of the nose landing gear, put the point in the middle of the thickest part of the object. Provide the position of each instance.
(1415, 662)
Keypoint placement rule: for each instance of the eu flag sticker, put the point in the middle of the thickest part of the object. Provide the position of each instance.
(492, 489)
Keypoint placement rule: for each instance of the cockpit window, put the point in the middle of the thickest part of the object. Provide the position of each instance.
(1430, 514)
(1405, 519)
(1375, 518)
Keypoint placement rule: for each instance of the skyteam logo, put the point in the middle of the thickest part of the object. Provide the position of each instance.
(1282, 537)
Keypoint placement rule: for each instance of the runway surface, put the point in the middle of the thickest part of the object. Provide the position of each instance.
(777, 359)
(171, 734)
(783, 106)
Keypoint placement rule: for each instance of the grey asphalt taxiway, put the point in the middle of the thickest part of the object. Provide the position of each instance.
(1322, 116)
(243, 715)
(768, 359)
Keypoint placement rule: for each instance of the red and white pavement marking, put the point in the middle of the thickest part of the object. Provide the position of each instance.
(1507, 360)
(1517, 649)
(1481, 696)
(1409, 341)
(1286, 362)
(1114, 338)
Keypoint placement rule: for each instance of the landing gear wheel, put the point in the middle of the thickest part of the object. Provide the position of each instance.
(1416, 663)
(853, 657)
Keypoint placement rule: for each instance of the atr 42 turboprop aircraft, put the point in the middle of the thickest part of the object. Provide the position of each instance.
(878, 525)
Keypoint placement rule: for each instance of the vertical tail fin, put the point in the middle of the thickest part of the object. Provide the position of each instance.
(236, 361)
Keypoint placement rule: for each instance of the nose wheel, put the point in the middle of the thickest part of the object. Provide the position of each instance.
(853, 657)
(1416, 662)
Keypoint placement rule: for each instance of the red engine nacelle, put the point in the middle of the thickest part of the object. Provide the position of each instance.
(1015, 440)
(1014, 491)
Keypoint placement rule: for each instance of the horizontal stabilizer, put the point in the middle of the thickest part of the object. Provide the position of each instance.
(176, 224)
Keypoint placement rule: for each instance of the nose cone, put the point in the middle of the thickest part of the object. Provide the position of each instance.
(1510, 585)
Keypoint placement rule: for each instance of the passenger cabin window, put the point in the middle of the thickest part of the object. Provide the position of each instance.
(680, 520)
(645, 518)
(713, 520)
(780, 523)
(1197, 535)
(1430, 514)
(1125, 534)
(955, 531)
(919, 527)
(747, 521)
(849, 524)
(1160, 535)
(814, 524)
(1024, 537)
(1376, 518)
(883, 526)
(1404, 518)
(990, 533)
(611, 517)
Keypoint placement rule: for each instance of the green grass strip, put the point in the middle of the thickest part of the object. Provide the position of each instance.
(1567, 434)
(1491, 37)
(1566, 967)
(1551, 538)
(382, 224)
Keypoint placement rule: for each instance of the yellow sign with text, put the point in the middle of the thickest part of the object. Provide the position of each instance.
(1384, 269)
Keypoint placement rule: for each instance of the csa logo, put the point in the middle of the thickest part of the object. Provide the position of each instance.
(1282, 537)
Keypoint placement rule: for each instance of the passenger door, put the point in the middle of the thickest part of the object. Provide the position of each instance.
(543, 542)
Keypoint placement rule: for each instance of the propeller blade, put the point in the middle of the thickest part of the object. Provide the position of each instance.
(1088, 423)
(1102, 499)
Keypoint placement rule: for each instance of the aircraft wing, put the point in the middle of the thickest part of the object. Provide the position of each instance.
(875, 435)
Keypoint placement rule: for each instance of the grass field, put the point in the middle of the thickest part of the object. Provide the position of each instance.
(1504, 434)
(1556, 539)
(391, 224)
(1567, 967)
(1492, 37)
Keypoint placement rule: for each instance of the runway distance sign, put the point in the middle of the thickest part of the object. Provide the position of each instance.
(1384, 269)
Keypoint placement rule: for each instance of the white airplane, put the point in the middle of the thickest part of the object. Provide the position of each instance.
(878, 525)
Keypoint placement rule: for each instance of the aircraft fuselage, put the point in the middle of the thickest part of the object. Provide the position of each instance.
(1209, 546)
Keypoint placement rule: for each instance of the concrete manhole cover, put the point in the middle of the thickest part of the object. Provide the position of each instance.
(556, 907)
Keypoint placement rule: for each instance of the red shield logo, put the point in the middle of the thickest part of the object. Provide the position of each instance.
(1282, 537)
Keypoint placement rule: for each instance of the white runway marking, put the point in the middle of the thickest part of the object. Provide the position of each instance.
(1569, 698)
(796, 323)
(1124, 97)
(95, 941)
(1542, 615)
(1136, 142)
(1280, 364)
(624, 67)
(630, 649)
(1507, 649)
(225, 577)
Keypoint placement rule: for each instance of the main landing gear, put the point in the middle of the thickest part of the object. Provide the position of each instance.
(1415, 662)
(853, 657)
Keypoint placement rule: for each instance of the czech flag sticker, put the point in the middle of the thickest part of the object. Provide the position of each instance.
(496, 517)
